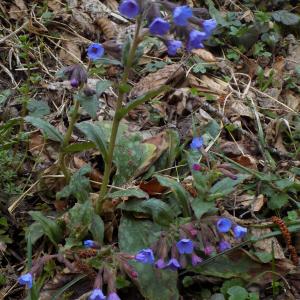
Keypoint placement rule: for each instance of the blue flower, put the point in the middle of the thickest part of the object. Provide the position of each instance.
(185, 246)
(159, 26)
(223, 225)
(113, 296)
(239, 231)
(196, 167)
(224, 245)
(89, 244)
(181, 14)
(129, 8)
(95, 51)
(209, 26)
(173, 46)
(145, 256)
(97, 294)
(26, 279)
(196, 38)
(196, 260)
(173, 264)
(208, 250)
(160, 264)
(197, 143)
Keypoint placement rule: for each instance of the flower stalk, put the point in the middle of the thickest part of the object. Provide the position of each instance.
(117, 119)
(61, 157)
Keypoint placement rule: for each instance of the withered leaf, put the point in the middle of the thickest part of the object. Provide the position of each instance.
(169, 74)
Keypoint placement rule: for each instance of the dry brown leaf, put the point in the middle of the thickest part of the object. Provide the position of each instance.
(161, 144)
(208, 84)
(169, 74)
(108, 27)
(267, 245)
(55, 5)
(292, 100)
(152, 187)
(205, 55)
(70, 52)
(112, 4)
(83, 21)
(247, 161)
(256, 203)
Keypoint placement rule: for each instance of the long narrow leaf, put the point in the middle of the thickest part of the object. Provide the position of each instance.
(50, 131)
(95, 134)
(140, 100)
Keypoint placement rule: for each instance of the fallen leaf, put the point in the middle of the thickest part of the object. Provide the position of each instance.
(205, 55)
(247, 161)
(70, 52)
(266, 245)
(246, 201)
(169, 74)
(152, 187)
(108, 27)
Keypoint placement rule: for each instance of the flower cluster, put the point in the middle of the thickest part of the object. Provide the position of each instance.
(182, 23)
(176, 261)
(224, 225)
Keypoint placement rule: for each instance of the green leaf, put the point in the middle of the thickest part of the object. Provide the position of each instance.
(80, 220)
(264, 257)
(278, 200)
(230, 283)
(50, 131)
(97, 229)
(79, 147)
(226, 185)
(36, 231)
(130, 192)
(285, 17)
(135, 235)
(215, 13)
(89, 102)
(160, 211)
(179, 192)
(102, 86)
(201, 207)
(4, 96)
(79, 185)
(50, 227)
(38, 108)
(237, 293)
(142, 99)
(95, 134)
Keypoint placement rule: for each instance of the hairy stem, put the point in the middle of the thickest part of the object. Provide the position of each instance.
(67, 137)
(117, 118)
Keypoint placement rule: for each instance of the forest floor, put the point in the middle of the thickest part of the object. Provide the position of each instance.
(237, 100)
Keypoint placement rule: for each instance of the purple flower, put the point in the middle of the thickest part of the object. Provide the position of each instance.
(197, 143)
(159, 26)
(196, 38)
(160, 264)
(173, 264)
(145, 256)
(97, 294)
(196, 260)
(95, 51)
(173, 46)
(196, 167)
(224, 245)
(26, 279)
(209, 26)
(113, 296)
(223, 225)
(208, 250)
(239, 231)
(185, 246)
(181, 15)
(129, 8)
(74, 83)
(89, 244)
